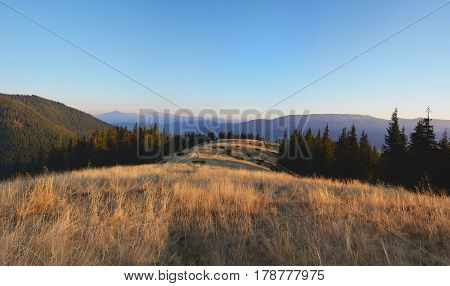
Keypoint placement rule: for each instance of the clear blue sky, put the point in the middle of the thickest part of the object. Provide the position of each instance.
(231, 54)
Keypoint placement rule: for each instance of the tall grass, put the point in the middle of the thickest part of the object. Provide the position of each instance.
(178, 214)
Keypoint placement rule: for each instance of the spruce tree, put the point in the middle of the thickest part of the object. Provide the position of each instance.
(417, 138)
(423, 154)
(352, 153)
(329, 152)
(395, 141)
(394, 156)
(340, 168)
(423, 139)
(353, 141)
(442, 179)
(165, 143)
(283, 148)
(443, 143)
(430, 137)
(365, 158)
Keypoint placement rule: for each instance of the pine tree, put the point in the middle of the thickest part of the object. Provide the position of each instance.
(308, 151)
(430, 137)
(341, 155)
(309, 135)
(212, 136)
(99, 141)
(423, 154)
(394, 156)
(365, 160)
(347, 155)
(60, 144)
(283, 147)
(165, 143)
(293, 154)
(328, 152)
(112, 141)
(443, 143)
(353, 153)
(423, 139)
(353, 141)
(442, 179)
(82, 152)
(417, 138)
(395, 141)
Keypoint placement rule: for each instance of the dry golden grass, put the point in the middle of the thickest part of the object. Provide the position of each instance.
(243, 154)
(179, 214)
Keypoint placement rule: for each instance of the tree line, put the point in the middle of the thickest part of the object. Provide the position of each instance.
(231, 135)
(419, 162)
(114, 146)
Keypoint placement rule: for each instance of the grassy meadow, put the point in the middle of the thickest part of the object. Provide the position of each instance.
(184, 214)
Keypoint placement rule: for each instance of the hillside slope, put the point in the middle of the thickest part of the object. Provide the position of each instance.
(211, 214)
(31, 125)
(67, 117)
(232, 153)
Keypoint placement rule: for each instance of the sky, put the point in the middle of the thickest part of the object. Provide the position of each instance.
(224, 54)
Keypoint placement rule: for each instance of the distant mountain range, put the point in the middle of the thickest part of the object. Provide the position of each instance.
(31, 125)
(130, 119)
(274, 128)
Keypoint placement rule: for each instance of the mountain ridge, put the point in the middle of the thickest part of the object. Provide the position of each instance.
(273, 129)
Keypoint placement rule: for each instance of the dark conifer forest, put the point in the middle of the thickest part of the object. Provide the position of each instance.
(30, 127)
(420, 162)
(37, 134)
(114, 146)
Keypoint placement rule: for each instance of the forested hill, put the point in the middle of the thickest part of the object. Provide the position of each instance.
(66, 117)
(31, 125)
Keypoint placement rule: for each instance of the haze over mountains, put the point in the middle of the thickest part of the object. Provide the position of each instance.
(150, 117)
(275, 128)
(31, 125)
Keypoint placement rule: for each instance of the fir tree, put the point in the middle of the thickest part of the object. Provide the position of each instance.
(430, 137)
(328, 152)
(395, 141)
(341, 155)
(443, 143)
(423, 139)
(393, 166)
(423, 154)
(283, 148)
(365, 158)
